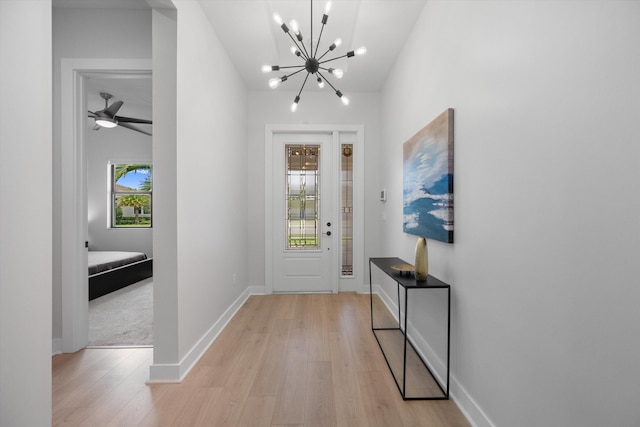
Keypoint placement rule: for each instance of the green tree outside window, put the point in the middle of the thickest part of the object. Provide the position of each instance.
(132, 186)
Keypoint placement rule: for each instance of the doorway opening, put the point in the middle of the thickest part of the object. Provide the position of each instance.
(75, 237)
(120, 212)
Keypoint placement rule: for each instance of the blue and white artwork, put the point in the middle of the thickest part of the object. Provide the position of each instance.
(428, 180)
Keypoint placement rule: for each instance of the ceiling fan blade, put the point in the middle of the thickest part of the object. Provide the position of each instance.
(92, 114)
(132, 127)
(122, 119)
(113, 109)
(96, 127)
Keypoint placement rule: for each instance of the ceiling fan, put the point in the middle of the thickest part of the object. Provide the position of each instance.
(107, 117)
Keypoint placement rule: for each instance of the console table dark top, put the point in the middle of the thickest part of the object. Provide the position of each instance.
(406, 281)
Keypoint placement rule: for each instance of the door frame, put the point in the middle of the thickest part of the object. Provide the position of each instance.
(74, 287)
(355, 282)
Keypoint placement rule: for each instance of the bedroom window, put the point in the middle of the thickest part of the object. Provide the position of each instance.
(131, 195)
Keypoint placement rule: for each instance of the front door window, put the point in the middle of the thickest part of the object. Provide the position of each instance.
(302, 197)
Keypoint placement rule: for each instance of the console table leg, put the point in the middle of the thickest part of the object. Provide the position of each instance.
(448, 336)
(399, 317)
(404, 364)
(371, 295)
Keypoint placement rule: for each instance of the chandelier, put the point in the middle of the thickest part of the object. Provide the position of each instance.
(312, 63)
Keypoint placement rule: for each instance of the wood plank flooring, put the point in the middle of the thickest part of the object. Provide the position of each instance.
(283, 360)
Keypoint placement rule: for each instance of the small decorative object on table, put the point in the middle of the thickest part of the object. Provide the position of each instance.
(422, 260)
(403, 269)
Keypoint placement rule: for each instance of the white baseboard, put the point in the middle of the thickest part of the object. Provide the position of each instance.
(256, 290)
(173, 373)
(471, 410)
(468, 406)
(363, 289)
(56, 346)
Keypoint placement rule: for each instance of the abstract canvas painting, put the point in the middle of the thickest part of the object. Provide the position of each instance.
(428, 180)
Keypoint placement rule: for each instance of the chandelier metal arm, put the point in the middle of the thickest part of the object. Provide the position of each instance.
(318, 45)
(303, 83)
(328, 82)
(291, 66)
(307, 56)
(296, 100)
(301, 47)
(302, 50)
(332, 59)
(295, 72)
(325, 54)
(311, 36)
(321, 76)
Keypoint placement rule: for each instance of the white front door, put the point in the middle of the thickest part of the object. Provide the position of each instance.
(304, 197)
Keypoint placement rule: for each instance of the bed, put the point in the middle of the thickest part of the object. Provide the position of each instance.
(113, 270)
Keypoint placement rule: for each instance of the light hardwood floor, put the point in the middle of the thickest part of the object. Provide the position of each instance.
(283, 360)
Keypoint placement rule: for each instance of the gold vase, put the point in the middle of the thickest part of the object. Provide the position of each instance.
(422, 260)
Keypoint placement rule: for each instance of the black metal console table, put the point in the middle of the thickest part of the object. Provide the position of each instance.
(414, 378)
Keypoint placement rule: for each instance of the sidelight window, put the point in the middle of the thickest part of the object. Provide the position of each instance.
(346, 209)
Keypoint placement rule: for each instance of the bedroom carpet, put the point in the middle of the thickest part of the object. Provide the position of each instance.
(123, 317)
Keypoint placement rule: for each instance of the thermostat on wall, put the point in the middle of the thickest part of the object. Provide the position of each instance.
(383, 195)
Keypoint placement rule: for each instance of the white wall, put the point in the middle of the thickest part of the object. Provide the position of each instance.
(165, 240)
(115, 145)
(202, 231)
(76, 33)
(272, 107)
(25, 213)
(211, 178)
(543, 269)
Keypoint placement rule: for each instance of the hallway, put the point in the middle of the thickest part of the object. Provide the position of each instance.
(303, 360)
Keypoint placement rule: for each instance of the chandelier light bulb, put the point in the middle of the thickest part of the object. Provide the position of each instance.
(266, 68)
(277, 18)
(274, 83)
(294, 26)
(294, 106)
(361, 51)
(295, 51)
(343, 98)
(337, 72)
(325, 17)
(320, 83)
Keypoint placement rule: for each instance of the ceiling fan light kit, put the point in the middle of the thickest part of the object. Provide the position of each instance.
(313, 64)
(107, 117)
(106, 122)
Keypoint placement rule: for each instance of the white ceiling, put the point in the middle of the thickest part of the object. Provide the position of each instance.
(102, 4)
(252, 38)
(134, 90)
